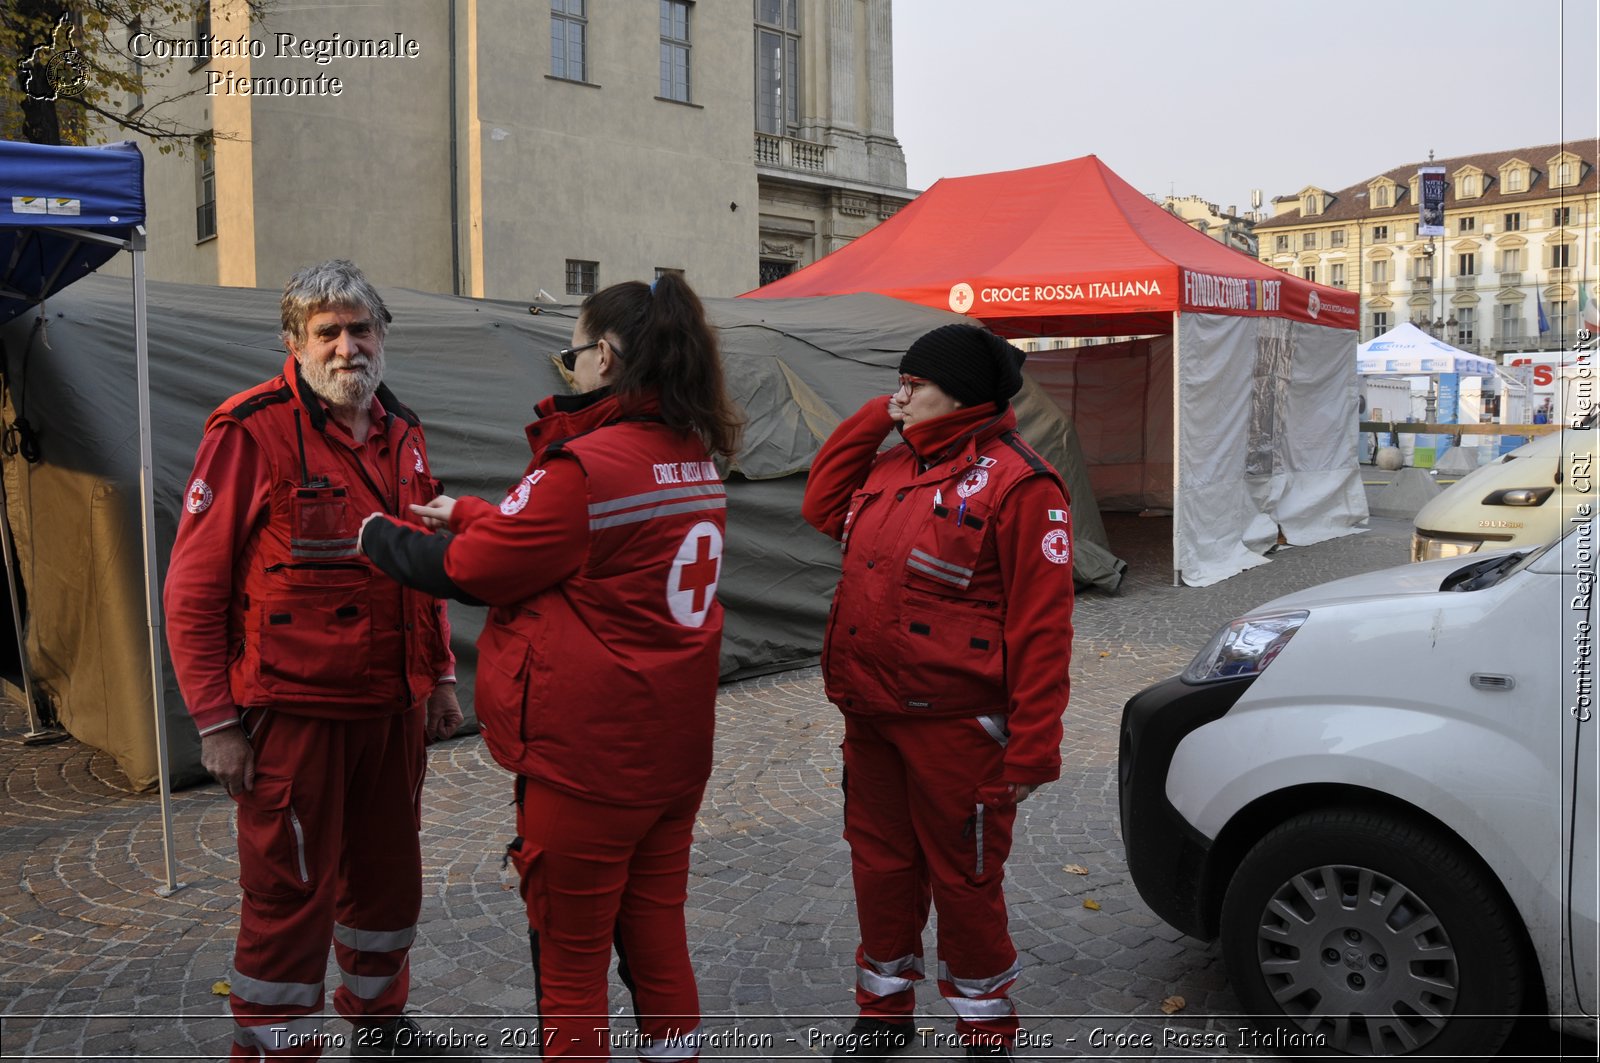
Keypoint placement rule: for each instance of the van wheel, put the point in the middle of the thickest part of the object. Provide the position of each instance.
(1355, 932)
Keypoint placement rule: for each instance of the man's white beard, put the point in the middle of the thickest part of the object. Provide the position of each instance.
(345, 390)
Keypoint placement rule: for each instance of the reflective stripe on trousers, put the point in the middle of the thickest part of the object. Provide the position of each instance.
(884, 979)
(974, 999)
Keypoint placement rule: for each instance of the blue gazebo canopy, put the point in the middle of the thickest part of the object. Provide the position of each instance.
(58, 206)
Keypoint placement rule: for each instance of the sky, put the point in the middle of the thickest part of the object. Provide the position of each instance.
(1217, 98)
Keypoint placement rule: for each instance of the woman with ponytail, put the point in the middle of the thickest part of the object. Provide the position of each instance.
(597, 668)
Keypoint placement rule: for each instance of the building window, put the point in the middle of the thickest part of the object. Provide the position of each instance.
(1380, 323)
(662, 271)
(675, 50)
(205, 188)
(1466, 223)
(772, 271)
(1560, 317)
(1308, 241)
(1309, 207)
(1281, 243)
(1467, 264)
(1560, 256)
(1380, 196)
(583, 278)
(777, 66)
(1336, 274)
(1510, 321)
(1336, 238)
(1513, 221)
(1467, 186)
(1563, 174)
(1380, 271)
(1560, 216)
(1466, 324)
(1510, 259)
(1514, 181)
(569, 40)
(1380, 233)
(1310, 274)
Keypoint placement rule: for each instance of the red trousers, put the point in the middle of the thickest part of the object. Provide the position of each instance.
(596, 876)
(328, 854)
(928, 818)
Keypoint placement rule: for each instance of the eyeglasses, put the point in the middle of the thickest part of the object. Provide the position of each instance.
(569, 355)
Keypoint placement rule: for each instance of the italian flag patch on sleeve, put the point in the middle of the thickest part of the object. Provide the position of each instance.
(1057, 514)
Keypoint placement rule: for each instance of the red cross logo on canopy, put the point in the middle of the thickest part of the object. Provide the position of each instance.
(692, 583)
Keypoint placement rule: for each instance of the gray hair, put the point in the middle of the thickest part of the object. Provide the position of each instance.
(324, 286)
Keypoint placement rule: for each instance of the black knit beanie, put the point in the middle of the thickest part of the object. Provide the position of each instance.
(970, 364)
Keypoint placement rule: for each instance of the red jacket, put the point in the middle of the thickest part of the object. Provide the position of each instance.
(597, 669)
(268, 602)
(956, 592)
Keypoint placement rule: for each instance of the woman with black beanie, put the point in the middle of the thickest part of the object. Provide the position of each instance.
(947, 650)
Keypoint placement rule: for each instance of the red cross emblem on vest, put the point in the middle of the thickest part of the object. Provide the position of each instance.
(692, 583)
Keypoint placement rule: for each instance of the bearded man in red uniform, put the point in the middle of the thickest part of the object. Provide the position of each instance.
(947, 651)
(313, 679)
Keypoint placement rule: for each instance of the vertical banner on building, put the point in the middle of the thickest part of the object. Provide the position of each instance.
(1431, 201)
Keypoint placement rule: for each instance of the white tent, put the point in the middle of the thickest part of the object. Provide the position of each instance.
(1406, 350)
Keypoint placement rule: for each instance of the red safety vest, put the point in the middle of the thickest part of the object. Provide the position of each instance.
(605, 685)
(916, 626)
(319, 629)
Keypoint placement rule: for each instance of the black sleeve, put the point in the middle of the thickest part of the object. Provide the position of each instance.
(412, 557)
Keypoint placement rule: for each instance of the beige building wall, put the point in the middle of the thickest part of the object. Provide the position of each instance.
(607, 171)
(469, 168)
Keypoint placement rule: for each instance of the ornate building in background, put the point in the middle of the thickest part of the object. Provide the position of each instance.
(1508, 275)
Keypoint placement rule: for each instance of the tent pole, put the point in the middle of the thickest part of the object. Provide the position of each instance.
(1177, 448)
(37, 734)
(152, 596)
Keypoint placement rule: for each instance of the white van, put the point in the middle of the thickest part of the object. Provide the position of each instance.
(1525, 498)
(1380, 795)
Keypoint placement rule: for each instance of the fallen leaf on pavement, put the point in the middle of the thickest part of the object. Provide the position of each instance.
(220, 989)
(1173, 1004)
(1091, 904)
(1076, 869)
(37, 937)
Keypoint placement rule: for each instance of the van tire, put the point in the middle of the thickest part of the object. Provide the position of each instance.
(1349, 913)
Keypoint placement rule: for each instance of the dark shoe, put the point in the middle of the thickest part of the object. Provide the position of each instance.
(989, 1049)
(873, 1039)
(402, 1038)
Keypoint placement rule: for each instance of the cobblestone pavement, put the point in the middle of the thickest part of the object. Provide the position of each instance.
(98, 963)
